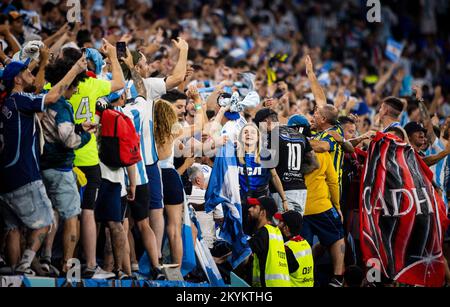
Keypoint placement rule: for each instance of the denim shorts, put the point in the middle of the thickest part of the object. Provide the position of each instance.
(28, 205)
(63, 192)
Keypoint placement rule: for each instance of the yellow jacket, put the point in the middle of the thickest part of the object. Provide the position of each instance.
(323, 186)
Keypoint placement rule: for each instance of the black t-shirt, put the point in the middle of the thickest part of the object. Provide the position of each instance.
(259, 243)
(293, 146)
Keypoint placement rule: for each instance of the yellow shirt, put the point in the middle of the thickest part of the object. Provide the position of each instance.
(83, 103)
(323, 186)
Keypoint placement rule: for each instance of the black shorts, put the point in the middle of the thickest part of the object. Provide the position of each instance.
(94, 178)
(139, 207)
(327, 226)
(172, 187)
(109, 203)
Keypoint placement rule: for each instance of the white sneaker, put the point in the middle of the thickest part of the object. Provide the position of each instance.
(102, 274)
(24, 269)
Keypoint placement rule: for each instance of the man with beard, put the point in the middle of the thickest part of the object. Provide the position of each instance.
(21, 186)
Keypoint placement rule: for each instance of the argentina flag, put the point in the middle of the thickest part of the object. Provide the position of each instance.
(189, 261)
(207, 263)
(393, 50)
(223, 188)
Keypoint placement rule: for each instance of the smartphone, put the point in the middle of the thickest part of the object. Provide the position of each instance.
(121, 48)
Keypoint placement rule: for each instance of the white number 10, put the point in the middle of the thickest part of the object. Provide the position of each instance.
(295, 156)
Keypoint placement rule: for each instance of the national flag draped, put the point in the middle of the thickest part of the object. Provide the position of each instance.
(402, 216)
(207, 263)
(189, 261)
(223, 188)
(393, 50)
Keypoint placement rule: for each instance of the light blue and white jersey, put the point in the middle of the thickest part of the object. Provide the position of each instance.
(439, 168)
(139, 112)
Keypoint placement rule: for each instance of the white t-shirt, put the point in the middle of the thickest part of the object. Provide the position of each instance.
(156, 87)
(232, 128)
(197, 196)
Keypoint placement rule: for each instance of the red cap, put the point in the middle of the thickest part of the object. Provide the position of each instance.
(253, 201)
(278, 216)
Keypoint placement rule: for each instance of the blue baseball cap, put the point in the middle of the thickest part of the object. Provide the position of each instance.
(12, 70)
(298, 120)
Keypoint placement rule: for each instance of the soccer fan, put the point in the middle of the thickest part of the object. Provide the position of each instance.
(87, 159)
(22, 189)
(62, 137)
(294, 154)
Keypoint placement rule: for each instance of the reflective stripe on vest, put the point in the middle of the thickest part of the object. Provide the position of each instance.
(276, 270)
(304, 276)
(303, 253)
(276, 276)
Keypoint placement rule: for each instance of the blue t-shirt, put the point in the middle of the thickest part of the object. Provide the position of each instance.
(19, 141)
(258, 176)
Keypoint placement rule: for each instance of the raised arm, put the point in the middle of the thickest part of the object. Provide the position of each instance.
(117, 82)
(135, 76)
(9, 38)
(199, 118)
(56, 92)
(179, 71)
(319, 94)
(39, 82)
(57, 35)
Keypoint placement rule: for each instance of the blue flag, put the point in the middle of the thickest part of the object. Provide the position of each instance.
(208, 265)
(223, 188)
(189, 261)
(393, 50)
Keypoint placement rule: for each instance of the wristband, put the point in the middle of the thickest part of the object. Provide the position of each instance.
(197, 107)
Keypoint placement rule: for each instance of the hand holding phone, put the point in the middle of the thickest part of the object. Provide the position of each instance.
(121, 48)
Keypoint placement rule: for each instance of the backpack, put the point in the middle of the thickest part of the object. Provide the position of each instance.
(119, 144)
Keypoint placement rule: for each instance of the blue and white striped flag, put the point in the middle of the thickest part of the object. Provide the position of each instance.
(223, 188)
(207, 263)
(189, 262)
(393, 50)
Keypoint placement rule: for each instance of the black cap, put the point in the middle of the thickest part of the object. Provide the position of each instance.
(292, 219)
(267, 203)
(394, 102)
(262, 115)
(412, 127)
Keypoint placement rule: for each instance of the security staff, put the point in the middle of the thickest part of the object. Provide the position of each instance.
(270, 264)
(290, 225)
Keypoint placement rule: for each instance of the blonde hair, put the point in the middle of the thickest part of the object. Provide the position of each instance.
(165, 119)
(241, 146)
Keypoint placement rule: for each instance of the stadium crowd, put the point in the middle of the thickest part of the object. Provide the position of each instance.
(310, 80)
